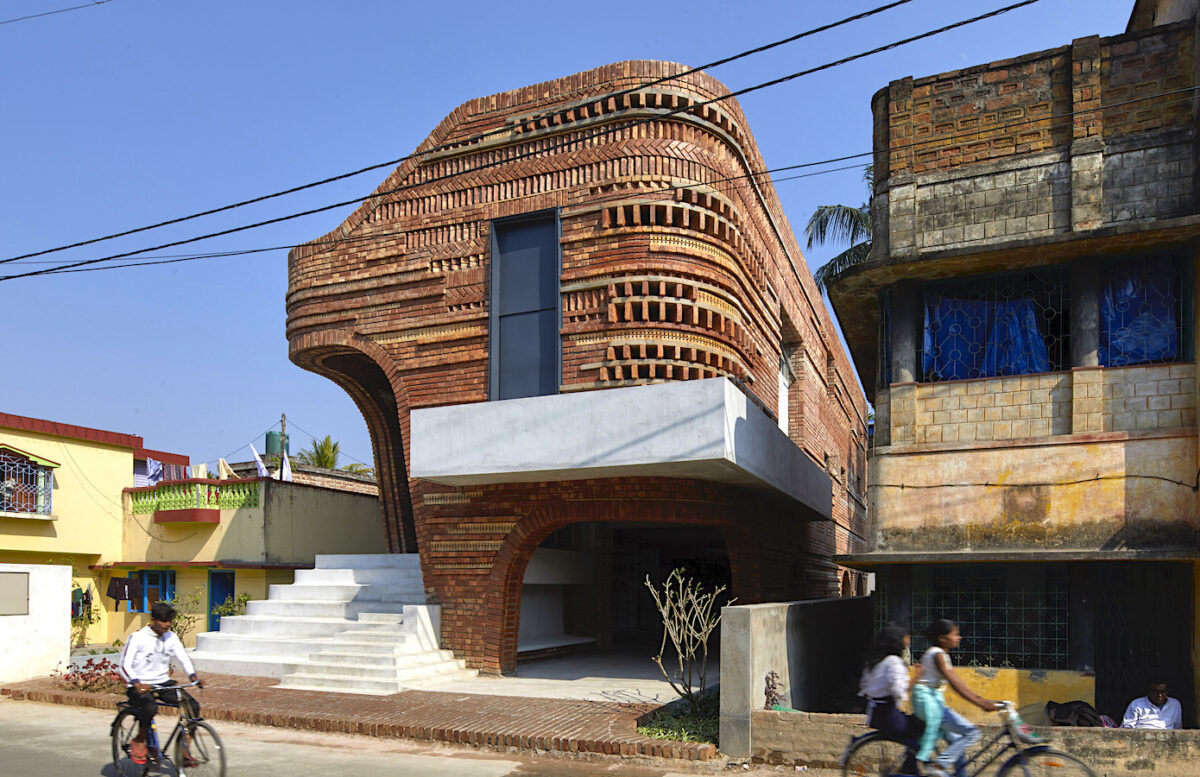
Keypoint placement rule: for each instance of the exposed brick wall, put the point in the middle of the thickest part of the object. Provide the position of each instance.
(1043, 144)
(675, 266)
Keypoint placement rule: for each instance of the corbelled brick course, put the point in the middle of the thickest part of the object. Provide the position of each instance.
(677, 264)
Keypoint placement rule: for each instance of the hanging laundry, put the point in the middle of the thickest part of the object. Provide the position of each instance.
(174, 472)
(258, 463)
(224, 471)
(154, 472)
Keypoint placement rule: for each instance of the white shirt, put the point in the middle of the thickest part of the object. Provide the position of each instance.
(1142, 714)
(930, 674)
(887, 678)
(146, 657)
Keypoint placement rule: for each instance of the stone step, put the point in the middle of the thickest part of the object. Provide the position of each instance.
(350, 592)
(381, 617)
(392, 578)
(215, 643)
(380, 636)
(393, 659)
(278, 626)
(307, 681)
(368, 560)
(237, 664)
(301, 608)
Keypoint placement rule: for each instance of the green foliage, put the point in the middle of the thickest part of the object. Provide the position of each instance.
(681, 726)
(842, 224)
(188, 611)
(325, 454)
(232, 605)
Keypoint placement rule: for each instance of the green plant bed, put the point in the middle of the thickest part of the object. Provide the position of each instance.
(676, 723)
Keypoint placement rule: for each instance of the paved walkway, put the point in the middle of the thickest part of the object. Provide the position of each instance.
(480, 720)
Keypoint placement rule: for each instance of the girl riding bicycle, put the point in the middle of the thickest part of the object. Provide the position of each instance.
(929, 702)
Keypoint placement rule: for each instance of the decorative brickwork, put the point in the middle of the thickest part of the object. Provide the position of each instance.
(677, 264)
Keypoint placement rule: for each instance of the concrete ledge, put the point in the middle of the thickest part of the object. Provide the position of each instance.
(704, 429)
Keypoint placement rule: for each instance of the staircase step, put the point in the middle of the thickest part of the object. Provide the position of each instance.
(368, 560)
(290, 647)
(345, 683)
(300, 608)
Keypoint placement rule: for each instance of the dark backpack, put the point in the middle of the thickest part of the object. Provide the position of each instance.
(1073, 713)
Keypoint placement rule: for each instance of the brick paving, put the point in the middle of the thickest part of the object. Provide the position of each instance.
(495, 722)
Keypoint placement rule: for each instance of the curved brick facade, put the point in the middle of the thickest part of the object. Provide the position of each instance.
(675, 266)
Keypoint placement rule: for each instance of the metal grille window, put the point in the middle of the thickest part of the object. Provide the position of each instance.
(1012, 324)
(1009, 616)
(26, 485)
(1144, 314)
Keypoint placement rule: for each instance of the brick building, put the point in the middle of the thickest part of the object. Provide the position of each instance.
(588, 349)
(1025, 327)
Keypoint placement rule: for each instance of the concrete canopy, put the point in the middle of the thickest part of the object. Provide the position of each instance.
(704, 429)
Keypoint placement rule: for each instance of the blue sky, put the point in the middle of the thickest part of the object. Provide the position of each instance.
(136, 111)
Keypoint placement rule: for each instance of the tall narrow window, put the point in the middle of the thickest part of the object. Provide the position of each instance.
(525, 314)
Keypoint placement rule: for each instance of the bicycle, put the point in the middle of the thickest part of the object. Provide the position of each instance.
(878, 755)
(198, 749)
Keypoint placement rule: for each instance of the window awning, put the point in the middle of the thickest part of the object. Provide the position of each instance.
(39, 460)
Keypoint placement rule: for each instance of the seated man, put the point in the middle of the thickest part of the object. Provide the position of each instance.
(146, 662)
(1154, 710)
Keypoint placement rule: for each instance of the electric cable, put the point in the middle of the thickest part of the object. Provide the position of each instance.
(351, 239)
(474, 139)
(313, 437)
(51, 13)
(1096, 478)
(541, 151)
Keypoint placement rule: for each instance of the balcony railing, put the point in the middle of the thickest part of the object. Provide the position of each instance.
(195, 495)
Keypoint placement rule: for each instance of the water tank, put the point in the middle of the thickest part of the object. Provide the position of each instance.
(277, 444)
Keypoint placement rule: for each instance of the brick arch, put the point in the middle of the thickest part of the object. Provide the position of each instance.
(503, 609)
(368, 374)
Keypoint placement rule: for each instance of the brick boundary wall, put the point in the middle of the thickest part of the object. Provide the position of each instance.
(818, 740)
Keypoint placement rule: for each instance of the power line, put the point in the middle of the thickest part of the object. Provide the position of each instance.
(543, 150)
(159, 260)
(51, 13)
(471, 140)
(313, 437)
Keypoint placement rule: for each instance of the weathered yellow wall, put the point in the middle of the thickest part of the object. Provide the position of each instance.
(238, 537)
(1028, 689)
(86, 498)
(1072, 510)
(305, 521)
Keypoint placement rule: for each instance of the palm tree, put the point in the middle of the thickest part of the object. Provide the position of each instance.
(842, 223)
(325, 454)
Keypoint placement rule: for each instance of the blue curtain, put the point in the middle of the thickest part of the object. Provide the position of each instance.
(1138, 321)
(966, 338)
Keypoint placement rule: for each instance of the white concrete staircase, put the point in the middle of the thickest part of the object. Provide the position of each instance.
(354, 624)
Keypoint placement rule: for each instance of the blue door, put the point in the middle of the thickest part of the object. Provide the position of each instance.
(220, 587)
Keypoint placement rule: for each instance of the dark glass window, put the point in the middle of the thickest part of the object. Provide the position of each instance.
(1144, 314)
(1012, 324)
(157, 584)
(525, 347)
(885, 338)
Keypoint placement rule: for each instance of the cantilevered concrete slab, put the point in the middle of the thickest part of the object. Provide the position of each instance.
(705, 429)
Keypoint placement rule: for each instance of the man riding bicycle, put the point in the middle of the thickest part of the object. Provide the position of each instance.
(145, 663)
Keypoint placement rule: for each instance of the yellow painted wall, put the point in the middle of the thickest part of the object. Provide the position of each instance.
(1028, 689)
(1073, 511)
(86, 498)
(238, 537)
(304, 521)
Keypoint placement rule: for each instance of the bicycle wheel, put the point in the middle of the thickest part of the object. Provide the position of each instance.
(1044, 763)
(124, 727)
(200, 753)
(876, 756)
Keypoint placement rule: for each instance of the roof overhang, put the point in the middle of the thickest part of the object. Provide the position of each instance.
(704, 430)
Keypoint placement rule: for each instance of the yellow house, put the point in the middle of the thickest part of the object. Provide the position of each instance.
(80, 496)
